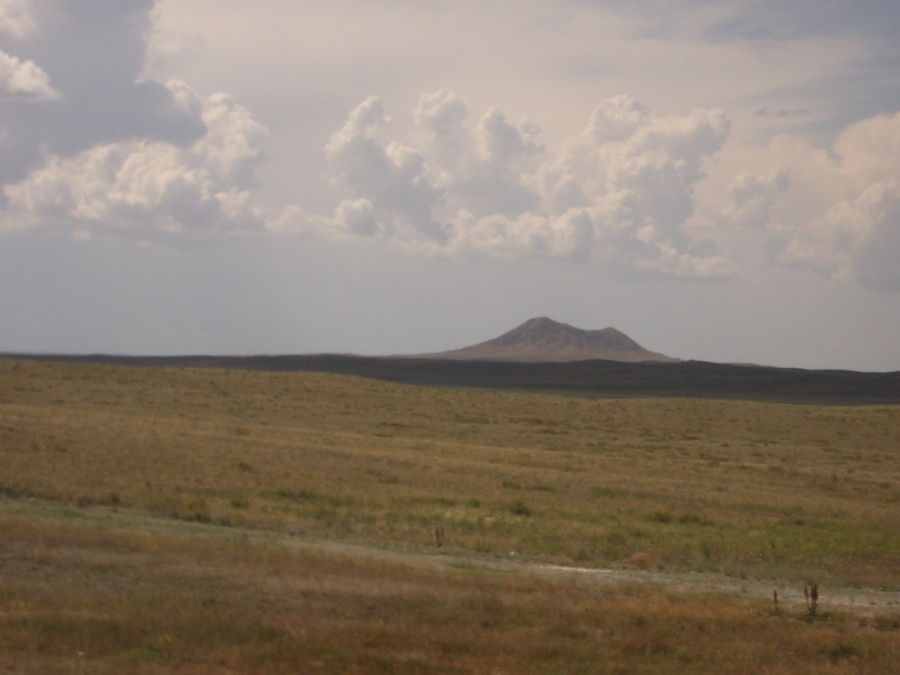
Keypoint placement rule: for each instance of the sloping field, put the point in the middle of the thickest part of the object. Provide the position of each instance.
(193, 520)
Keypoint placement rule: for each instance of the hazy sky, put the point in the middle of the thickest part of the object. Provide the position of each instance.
(719, 179)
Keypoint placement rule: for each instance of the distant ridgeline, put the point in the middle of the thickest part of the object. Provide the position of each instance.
(542, 355)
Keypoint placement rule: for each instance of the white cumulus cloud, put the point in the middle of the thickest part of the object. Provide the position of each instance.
(24, 79)
(390, 177)
(837, 210)
(151, 190)
(619, 193)
(91, 144)
(81, 65)
(103, 150)
(753, 196)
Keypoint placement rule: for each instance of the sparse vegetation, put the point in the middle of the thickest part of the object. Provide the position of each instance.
(227, 479)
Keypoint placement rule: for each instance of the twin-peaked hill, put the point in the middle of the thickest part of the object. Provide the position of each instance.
(543, 340)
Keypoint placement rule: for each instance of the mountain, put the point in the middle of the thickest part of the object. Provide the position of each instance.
(545, 340)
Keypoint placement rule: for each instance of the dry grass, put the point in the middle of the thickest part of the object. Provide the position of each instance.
(745, 488)
(749, 489)
(80, 598)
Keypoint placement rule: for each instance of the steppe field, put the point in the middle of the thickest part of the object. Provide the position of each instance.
(166, 520)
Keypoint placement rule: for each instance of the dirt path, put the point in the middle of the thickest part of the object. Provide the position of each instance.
(790, 594)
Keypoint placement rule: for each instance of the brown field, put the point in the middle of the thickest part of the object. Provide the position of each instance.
(188, 520)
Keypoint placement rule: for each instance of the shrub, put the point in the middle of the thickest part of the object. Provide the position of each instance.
(520, 509)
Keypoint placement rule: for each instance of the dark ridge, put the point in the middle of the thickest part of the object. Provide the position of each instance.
(592, 378)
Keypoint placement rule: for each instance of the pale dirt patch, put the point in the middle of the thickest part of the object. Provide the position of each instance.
(790, 594)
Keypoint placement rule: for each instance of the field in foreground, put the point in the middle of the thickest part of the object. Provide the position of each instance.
(211, 480)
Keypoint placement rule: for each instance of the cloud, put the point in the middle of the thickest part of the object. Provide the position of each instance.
(391, 177)
(782, 112)
(15, 21)
(617, 194)
(91, 145)
(501, 141)
(858, 238)
(615, 119)
(878, 263)
(105, 152)
(835, 212)
(151, 190)
(528, 234)
(23, 79)
(441, 117)
(357, 216)
(93, 55)
(752, 197)
(481, 171)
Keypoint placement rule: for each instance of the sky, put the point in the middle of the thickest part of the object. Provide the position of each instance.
(720, 180)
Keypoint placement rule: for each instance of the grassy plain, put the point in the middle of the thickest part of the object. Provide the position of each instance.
(187, 464)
